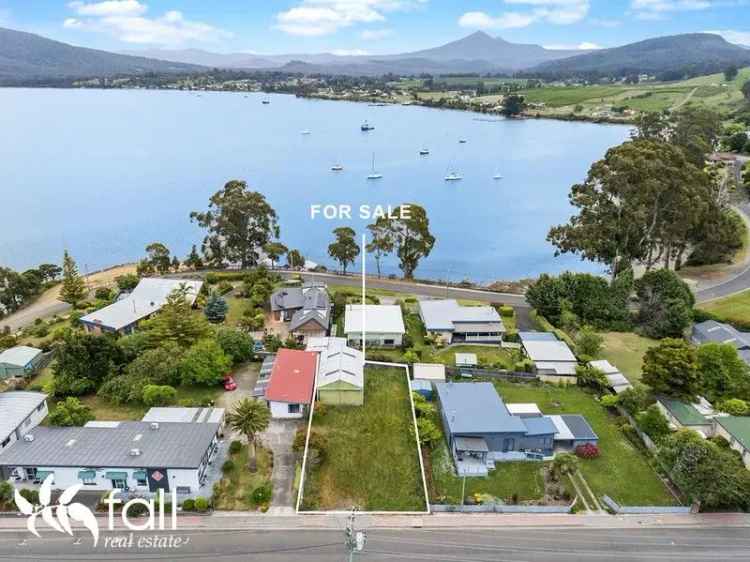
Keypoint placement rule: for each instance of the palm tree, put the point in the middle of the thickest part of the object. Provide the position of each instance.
(249, 417)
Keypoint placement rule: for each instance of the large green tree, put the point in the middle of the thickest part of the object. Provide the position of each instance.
(158, 259)
(295, 259)
(671, 368)
(344, 249)
(83, 361)
(381, 244)
(176, 323)
(205, 363)
(644, 202)
(239, 223)
(73, 288)
(274, 250)
(665, 304)
(724, 375)
(70, 413)
(411, 236)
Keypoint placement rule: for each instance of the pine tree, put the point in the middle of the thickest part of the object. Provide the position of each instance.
(216, 308)
(73, 288)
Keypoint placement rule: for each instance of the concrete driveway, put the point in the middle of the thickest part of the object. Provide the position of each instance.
(279, 438)
(245, 377)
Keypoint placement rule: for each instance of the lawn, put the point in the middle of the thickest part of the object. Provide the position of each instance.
(621, 472)
(520, 481)
(494, 356)
(625, 350)
(234, 492)
(237, 308)
(732, 309)
(559, 96)
(370, 457)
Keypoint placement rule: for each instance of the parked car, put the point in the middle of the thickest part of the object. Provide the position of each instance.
(229, 383)
(258, 346)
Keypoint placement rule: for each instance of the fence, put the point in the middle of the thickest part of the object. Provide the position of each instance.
(643, 509)
(499, 508)
(491, 373)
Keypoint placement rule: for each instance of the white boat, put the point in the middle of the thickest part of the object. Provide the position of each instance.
(454, 176)
(424, 152)
(337, 168)
(367, 127)
(306, 132)
(497, 177)
(374, 175)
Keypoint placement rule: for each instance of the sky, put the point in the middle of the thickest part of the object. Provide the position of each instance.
(366, 26)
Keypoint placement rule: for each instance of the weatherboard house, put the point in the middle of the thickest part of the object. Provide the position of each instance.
(382, 324)
(454, 323)
(123, 316)
(306, 309)
(481, 429)
(134, 456)
(290, 388)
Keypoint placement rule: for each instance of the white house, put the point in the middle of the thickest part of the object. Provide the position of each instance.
(455, 323)
(553, 359)
(382, 324)
(136, 456)
(20, 412)
(290, 388)
(146, 299)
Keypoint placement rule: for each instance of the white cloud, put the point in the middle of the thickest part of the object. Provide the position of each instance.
(375, 34)
(127, 21)
(734, 36)
(314, 18)
(350, 52)
(557, 12)
(584, 46)
(659, 9)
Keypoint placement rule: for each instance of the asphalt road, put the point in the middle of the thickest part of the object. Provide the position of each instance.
(489, 545)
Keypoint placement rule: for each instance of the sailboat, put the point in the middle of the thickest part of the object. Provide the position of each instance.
(454, 176)
(374, 175)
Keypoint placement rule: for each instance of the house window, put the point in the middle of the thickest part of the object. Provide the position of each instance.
(141, 482)
(183, 490)
(388, 342)
(294, 408)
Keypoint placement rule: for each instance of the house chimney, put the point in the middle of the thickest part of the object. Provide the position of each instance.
(155, 425)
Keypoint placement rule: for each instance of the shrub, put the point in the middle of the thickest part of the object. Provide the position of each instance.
(32, 496)
(609, 400)
(653, 423)
(103, 293)
(735, 407)
(225, 287)
(506, 311)
(188, 505)
(587, 451)
(201, 504)
(137, 510)
(159, 395)
(228, 466)
(262, 494)
(235, 447)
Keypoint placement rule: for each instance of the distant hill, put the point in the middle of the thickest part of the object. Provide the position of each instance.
(26, 58)
(478, 52)
(666, 57)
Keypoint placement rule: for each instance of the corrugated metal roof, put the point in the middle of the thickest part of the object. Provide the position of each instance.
(683, 412)
(472, 444)
(19, 356)
(536, 336)
(16, 406)
(539, 426)
(338, 362)
(147, 298)
(443, 315)
(713, 331)
(292, 377)
(579, 427)
(547, 350)
(184, 415)
(738, 427)
(173, 445)
(429, 371)
(604, 366)
(476, 408)
(379, 319)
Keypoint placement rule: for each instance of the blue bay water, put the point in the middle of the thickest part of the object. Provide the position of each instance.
(105, 172)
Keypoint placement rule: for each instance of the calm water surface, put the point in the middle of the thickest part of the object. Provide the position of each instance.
(104, 173)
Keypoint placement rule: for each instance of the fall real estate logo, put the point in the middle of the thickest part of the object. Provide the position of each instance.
(61, 516)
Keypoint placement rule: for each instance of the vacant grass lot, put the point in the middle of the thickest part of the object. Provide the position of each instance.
(524, 480)
(493, 356)
(735, 308)
(621, 471)
(559, 96)
(235, 490)
(371, 458)
(625, 351)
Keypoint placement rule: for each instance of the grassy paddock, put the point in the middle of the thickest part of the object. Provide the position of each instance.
(735, 308)
(625, 350)
(371, 459)
(621, 471)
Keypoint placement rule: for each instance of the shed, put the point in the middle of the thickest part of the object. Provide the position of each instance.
(466, 359)
(19, 361)
(429, 371)
(341, 378)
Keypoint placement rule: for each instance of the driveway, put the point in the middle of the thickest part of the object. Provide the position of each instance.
(279, 438)
(245, 377)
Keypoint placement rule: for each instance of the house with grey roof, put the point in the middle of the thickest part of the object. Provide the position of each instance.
(306, 309)
(454, 323)
(712, 331)
(20, 361)
(20, 412)
(148, 298)
(553, 359)
(135, 456)
(481, 429)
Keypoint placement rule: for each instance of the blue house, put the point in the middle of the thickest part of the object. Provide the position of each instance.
(481, 430)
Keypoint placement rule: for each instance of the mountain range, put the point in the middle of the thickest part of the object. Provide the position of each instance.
(26, 58)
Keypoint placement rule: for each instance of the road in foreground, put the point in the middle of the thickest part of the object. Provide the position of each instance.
(517, 545)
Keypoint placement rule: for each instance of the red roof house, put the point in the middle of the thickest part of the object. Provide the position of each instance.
(292, 382)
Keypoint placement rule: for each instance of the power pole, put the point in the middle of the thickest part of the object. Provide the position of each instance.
(355, 540)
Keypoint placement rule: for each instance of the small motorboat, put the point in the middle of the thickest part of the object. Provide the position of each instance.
(266, 102)
(424, 152)
(337, 168)
(306, 132)
(367, 127)
(454, 176)
(497, 177)
(462, 141)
